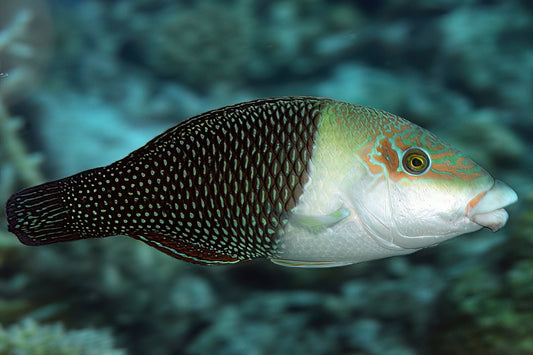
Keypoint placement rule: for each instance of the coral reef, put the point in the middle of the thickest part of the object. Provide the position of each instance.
(21, 59)
(237, 41)
(25, 46)
(20, 55)
(486, 73)
(205, 44)
(30, 338)
(23, 165)
(487, 311)
(125, 70)
(299, 321)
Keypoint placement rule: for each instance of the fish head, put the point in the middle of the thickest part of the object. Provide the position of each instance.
(419, 191)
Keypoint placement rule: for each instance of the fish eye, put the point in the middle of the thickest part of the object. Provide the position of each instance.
(415, 161)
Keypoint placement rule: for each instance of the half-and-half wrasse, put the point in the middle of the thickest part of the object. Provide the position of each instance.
(302, 181)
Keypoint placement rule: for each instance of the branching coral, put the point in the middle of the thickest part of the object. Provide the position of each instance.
(24, 165)
(16, 165)
(200, 45)
(24, 46)
(29, 337)
(17, 50)
(235, 41)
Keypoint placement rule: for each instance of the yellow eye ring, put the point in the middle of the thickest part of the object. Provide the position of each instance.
(415, 161)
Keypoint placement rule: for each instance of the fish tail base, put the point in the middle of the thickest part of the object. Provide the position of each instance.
(37, 215)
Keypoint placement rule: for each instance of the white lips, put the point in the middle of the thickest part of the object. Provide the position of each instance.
(489, 212)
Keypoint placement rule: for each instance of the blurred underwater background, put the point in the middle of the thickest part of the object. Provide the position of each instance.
(85, 82)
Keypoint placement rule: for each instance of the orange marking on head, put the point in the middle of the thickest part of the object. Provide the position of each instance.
(366, 154)
(475, 201)
(463, 168)
(388, 157)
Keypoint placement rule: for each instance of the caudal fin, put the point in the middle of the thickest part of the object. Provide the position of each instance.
(37, 216)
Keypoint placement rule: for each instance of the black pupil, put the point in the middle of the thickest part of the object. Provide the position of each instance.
(417, 162)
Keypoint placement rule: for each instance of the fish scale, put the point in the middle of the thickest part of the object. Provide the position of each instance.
(213, 189)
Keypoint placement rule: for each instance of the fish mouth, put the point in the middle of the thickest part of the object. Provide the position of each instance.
(486, 209)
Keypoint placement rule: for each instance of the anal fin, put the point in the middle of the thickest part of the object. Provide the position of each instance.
(309, 264)
(183, 250)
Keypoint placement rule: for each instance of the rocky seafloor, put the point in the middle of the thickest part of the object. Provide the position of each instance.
(85, 82)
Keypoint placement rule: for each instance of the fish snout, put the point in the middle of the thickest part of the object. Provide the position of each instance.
(486, 209)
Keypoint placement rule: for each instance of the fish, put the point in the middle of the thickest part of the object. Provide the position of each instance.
(301, 181)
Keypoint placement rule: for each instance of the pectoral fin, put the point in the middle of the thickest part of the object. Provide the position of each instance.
(310, 264)
(326, 220)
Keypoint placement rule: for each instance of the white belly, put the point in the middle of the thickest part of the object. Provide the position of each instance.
(343, 243)
(316, 235)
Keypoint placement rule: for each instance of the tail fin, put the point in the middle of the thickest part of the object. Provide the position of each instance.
(37, 215)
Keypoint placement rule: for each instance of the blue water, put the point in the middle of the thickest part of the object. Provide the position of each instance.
(90, 81)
